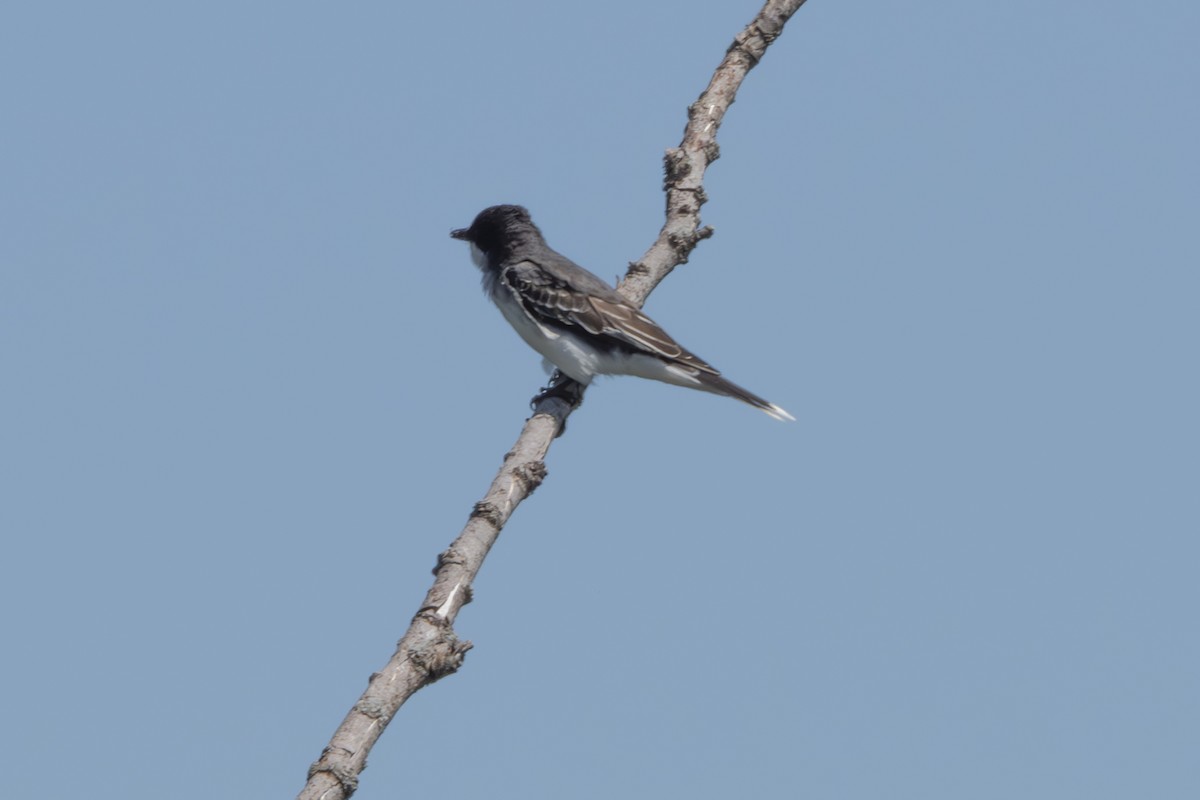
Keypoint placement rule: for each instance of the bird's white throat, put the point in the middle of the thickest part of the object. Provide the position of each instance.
(478, 256)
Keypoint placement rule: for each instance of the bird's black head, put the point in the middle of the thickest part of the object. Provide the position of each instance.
(499, 230)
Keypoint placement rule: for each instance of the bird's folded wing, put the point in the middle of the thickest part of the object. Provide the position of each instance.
(548, 300)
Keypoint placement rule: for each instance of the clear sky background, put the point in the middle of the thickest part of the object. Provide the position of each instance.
(250, 389)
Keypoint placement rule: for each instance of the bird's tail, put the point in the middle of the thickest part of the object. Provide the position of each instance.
(718, 385)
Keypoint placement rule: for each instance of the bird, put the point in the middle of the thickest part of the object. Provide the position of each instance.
(575, 320)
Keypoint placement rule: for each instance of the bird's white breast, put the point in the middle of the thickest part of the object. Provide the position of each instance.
(563, 350)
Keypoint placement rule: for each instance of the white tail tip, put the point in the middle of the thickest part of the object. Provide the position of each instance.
(778, 413)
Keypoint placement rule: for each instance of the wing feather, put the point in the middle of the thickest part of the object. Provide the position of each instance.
(548, 299)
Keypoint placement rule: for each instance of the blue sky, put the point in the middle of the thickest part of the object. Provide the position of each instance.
(251, 389)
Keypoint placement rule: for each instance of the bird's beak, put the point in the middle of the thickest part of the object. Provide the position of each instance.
(459, 233)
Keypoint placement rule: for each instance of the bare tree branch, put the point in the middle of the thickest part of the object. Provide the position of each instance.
(685, 165)
(430, 649)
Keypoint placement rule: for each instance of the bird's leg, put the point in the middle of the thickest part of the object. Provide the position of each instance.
(561, 387)
(562, 390)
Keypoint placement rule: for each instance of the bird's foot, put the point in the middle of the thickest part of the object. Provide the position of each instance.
(563, 389)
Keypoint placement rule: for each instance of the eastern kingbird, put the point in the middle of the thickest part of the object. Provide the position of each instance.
(576, 321)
